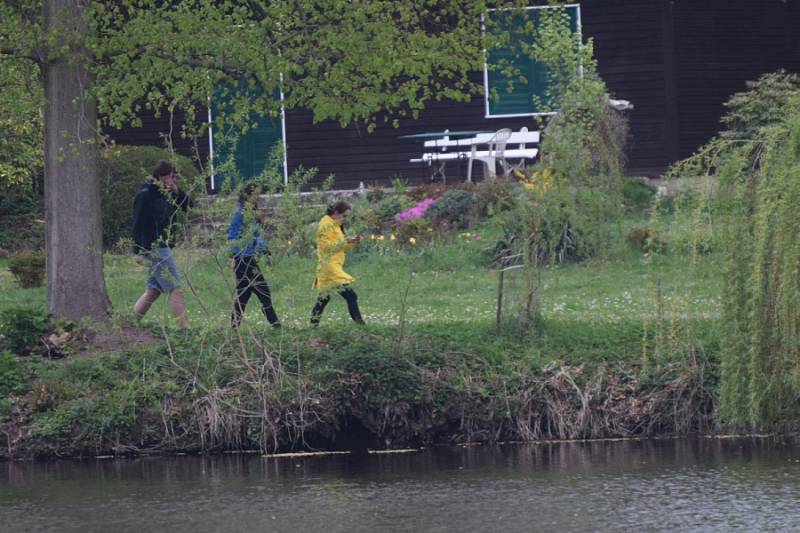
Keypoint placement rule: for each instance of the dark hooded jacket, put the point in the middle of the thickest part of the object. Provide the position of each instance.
(154, 216)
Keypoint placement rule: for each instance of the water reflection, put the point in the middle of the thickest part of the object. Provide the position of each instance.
(701, 483)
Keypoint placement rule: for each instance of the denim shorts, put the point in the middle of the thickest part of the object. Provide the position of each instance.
(163, 275)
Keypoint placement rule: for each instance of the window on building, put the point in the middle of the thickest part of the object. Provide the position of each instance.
(253, 149)
(525, 92)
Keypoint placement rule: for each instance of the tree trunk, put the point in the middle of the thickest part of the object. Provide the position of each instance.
(73, 220)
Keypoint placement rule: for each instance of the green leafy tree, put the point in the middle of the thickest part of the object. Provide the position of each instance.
(756, 162)
(21, 125)
(349, 61)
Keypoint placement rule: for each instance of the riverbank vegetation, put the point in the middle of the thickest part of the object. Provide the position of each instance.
(618, 343)
(607, 354)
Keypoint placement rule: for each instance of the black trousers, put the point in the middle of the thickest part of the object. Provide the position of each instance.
(350, 297)
(249, 280)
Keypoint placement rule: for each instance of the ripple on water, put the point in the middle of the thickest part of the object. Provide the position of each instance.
(667, 485)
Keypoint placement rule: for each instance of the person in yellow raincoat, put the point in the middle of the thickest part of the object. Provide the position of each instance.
(332, 246)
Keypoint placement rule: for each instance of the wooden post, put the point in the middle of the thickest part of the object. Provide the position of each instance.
(499, 313)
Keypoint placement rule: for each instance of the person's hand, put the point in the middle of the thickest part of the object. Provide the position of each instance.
(354, 240)
(232, 262)
(140, 260)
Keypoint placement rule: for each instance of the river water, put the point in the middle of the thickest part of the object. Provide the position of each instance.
(656, 485)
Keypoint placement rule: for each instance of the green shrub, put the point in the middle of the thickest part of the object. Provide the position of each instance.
(122, 246)
(645, 240)
(664, 204)
(123, 170)
(586, 139)
(549, 240)
(452, 209)
(362, 219)
(427, 190)
(399, 185)
(417, 229)
(28, 268)
(637, 238)
(22, 213)
(700, 240)
(12, 380)
(22, 328)
(638, 194)
(385, 378)
(495, 195)
(557, 226)
(761, 105)
(375, 194)
(390, 206)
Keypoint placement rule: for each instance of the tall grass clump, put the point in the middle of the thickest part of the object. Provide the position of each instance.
(756, 163)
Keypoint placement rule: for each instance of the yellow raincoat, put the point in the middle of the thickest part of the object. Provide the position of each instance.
(331, 248)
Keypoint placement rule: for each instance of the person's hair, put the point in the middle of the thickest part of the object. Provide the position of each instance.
(247, 191)
(338, 208)
(163, 168)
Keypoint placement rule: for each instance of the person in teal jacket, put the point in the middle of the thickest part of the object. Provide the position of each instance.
(247, 244)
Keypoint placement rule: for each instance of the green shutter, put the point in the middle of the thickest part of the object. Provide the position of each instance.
(517, 98)
(253, 148)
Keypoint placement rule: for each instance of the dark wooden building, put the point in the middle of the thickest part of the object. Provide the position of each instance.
(676, 61)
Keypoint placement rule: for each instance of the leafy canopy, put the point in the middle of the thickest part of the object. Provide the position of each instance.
(343, 60)
(369, 61)
(21, 124)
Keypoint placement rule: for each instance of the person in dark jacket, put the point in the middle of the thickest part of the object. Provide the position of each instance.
(244, 236)
(154, 215)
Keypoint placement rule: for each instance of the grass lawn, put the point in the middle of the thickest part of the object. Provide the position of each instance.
(446, 283)
(449, 285)
(442, 373)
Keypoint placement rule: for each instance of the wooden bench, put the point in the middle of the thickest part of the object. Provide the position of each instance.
(488, 148)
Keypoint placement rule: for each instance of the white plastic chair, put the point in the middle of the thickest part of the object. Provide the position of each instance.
(497, 147)
(510, 168)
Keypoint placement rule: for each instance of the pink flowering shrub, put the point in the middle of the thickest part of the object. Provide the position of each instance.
(416, 212)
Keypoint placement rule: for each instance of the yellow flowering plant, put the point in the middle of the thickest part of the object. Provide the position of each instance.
(539, 181)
